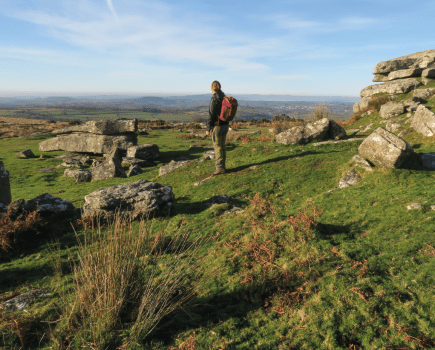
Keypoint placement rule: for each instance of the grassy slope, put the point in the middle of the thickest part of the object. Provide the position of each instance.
(361, 278)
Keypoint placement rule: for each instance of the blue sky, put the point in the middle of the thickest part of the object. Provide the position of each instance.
(308, 47)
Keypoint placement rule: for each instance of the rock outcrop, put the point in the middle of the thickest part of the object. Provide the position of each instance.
(102, 127)
(88, 143)
(140, 198)
(5, 187)
(384, 149)
(400, 86)
(422, 59)
(318, 130)
(99, 136)
(424, 121)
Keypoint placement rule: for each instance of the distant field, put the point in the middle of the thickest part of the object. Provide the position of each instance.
(70, 114)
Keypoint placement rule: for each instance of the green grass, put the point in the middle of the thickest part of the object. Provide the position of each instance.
(363, 277)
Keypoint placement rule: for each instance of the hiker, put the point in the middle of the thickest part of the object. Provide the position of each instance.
(217, 127)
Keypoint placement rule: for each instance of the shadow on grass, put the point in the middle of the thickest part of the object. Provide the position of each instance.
(277, 159)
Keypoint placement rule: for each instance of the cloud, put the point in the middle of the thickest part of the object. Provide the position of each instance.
(112, 10)
(357, 22)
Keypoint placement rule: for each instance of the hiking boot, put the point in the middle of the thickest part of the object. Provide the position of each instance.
(219, 171)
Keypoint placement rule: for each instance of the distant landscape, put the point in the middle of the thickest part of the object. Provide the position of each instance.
(170, 108)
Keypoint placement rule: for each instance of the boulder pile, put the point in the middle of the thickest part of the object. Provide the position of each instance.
(98, 137)
(319, 130)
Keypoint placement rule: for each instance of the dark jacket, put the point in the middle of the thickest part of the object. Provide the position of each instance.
(215, 110)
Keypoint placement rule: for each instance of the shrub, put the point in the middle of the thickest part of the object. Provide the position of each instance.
(235, 126)
(126, 276)
(376, 101)
(320, 112)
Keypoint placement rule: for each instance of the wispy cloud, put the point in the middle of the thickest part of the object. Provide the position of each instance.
(112, 10)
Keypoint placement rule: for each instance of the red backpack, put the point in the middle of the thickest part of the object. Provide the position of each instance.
(229, 109)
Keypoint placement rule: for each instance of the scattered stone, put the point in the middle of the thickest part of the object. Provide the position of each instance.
(392, 126)
(428, 160)
(258, 132)
(44, 156)
(25, 154)
(432, 207)
(43, 170)
(405, 73)
(80, 175)
(219, 199)
(111, 167)
(233, 210)
(424, 121)
(336, 131)
(350, 179)
(70, 163)
(172, 166)
(5, 187)
(367, 127)
(24, 300)
(143, 132)
(210, 153)
(200, 182)
(253, 167)
(334, 142)
(145, 152)
(134, 170)
(134, 161)
(422, 59)
(411, 104)
(384, 149)
(198, 136)
(401, 86)
(303, 134)
(403, 133)
(140, 198)
(414, 206)
(102, 127)
(48, 206)
(361, 162)
(352, 132)
(88, 143)
(391, 109)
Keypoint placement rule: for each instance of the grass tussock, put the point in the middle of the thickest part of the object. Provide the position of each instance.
(237, 136)
(124, 277)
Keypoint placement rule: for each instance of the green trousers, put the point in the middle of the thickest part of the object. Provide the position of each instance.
(219, 136)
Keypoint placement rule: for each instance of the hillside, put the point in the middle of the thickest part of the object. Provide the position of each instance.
(290, 262)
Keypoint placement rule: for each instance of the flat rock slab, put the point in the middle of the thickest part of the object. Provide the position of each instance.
(173, 165)
(140, 198)
(384, 149)
(405, 73)
(102, 127)
(401, 86)
(428, 160)
(24, 300)
(88, 143)
(424, 121)
(339, 141)
(5, 187)
(422, 59)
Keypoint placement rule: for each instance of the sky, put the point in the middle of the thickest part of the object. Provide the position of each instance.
(123, 47)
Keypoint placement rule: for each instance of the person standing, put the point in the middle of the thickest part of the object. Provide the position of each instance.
(217, 127)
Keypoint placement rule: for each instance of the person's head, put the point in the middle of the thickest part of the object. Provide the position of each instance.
(215, 86)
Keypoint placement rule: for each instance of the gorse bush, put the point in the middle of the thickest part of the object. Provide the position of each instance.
(124, 277)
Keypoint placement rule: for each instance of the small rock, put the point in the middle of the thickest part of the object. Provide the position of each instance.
(111, 167)
(134, 170)
(49, 206)
(219, 199)
(258, 132)
(25, 154)
(350, 179)
(210, 154)
(253, 167)
(361, 162)
(172, 166)
(428, 160)
(43, 170)
(414, 206)
(44, 156)
(24, 300)
(80, 175)
(432, 207)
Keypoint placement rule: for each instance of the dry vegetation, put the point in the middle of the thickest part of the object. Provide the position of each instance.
(16, 127)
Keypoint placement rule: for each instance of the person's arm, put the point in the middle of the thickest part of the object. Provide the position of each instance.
(212, 113)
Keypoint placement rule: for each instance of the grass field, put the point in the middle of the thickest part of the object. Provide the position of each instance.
(299, 268)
